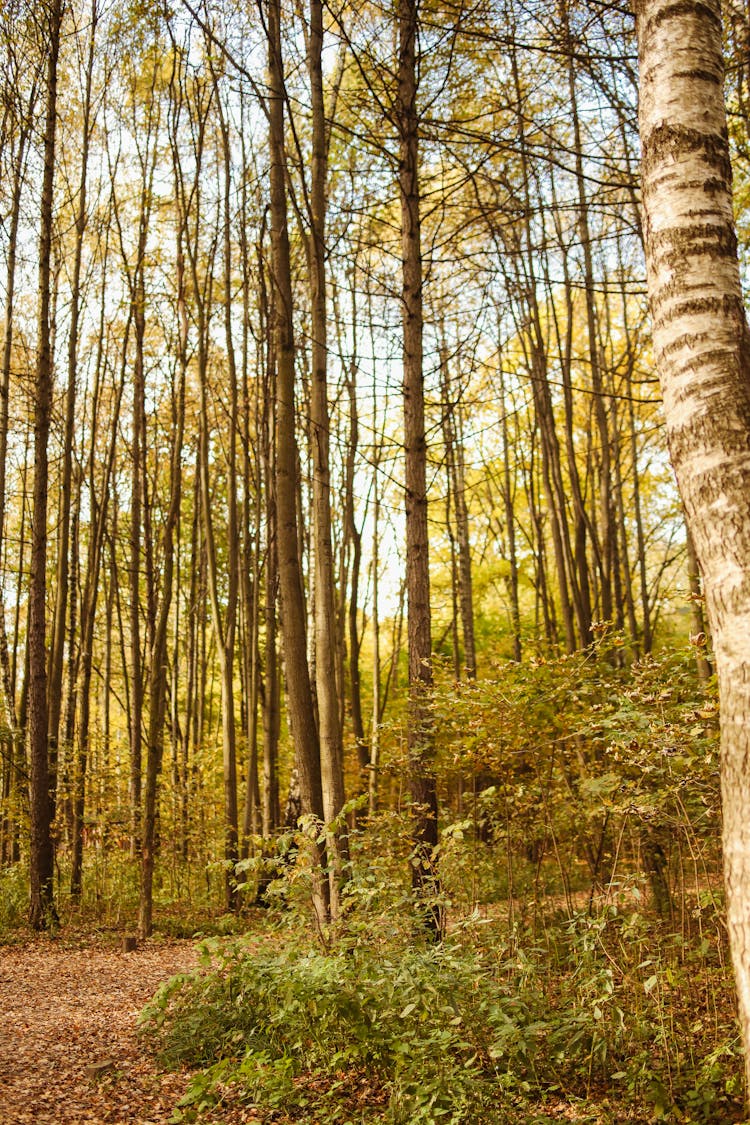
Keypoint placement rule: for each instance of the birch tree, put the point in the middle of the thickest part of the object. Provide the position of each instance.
(702, 351)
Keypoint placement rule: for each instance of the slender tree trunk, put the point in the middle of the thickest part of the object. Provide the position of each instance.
(605, 516)
(330, 734)
(646, 631)
(20, 578)
(420, 727)
(250, 580)
(136, 536)
(698, 632)
(59, 619)
(224, 618)
(535, 349)
(624, 549)
(42, 910)
(510, 524)
(250, 587)
(158, 670)
(299, 691)
(270, 810)
(99, 501)
(353, 539)
(10, 784)
(463, 586)
(158, 600)
(572, 592)
(584, 527)
(374, 764)
(192, 719)
(8, 676)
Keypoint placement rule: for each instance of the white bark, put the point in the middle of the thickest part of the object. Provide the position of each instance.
(702, 353)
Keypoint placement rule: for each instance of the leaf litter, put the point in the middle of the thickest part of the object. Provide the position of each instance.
(69, 1049)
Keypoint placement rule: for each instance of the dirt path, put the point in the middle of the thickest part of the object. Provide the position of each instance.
(65, 1008)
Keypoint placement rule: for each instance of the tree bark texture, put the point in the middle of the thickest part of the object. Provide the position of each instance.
(293, 620)
(42, 907)
(420, 733)
(702, 352)
(331, 742)
(66, 484)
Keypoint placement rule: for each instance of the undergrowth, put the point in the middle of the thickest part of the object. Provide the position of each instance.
(605, 1012)
(585, 976)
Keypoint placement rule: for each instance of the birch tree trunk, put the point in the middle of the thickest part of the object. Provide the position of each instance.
(702, 352)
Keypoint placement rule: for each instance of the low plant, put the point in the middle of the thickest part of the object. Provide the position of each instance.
(14, 900)
(597, 1011)
(327, 1034)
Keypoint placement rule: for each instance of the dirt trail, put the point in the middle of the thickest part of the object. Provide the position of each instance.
(64, 1008)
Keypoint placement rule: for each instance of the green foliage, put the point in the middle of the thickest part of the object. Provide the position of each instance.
(14, 900)
(605, 1009)
(396, 1038)
(574, 772)
(582, 790)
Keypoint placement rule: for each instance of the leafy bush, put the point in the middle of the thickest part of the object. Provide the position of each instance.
(14, 899)
(586, 973)
(604, 1010)
(574, 774)
(411, 1035)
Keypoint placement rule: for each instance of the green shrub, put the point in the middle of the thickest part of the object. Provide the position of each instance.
(14, 898)
(603, 1013)
(311, 1031)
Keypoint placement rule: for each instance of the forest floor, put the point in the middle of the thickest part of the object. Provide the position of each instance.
(71, 1004)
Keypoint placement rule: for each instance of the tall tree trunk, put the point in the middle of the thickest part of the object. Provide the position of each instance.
(224, 617)
(270, 810)
(99, 501)
(456, 471)
(331, 742)
(8, 678)
(251, 520)
(510, 521)
(293, 613)
(158, 668)
(138, 299)
(14, 750)
(606, 536)
(66, 481)
(531, 331)
(573, 591)
(353, 537)
(250, 579)
(420, 728)
(374, 764)
(702, 350)
(647, 632)
(42, 909)
(192, 703)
